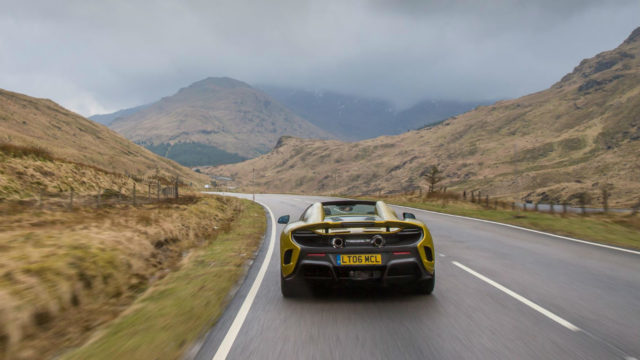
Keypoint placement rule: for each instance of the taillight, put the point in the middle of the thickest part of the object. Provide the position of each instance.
(315, 254)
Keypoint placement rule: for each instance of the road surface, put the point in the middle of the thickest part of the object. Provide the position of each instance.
(501, 293)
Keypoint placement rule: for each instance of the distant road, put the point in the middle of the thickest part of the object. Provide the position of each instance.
(501, 293)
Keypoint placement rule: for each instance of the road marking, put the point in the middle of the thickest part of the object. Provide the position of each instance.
(531, 230)
(442, 255)
(232, 333)
(520, 298)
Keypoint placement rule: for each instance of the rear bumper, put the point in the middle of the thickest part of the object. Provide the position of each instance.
(395, 269)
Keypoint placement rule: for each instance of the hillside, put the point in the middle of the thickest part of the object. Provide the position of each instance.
(107, 119)
(352, 117)
(76, 153)
(219, 119)
(581, 133)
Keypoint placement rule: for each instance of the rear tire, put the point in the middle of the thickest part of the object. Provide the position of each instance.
(425, 287)
(290, 289)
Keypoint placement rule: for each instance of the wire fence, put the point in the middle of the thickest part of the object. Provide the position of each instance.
(139, 193)
(491, 202)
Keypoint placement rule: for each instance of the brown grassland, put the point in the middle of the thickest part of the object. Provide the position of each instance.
(67, 272)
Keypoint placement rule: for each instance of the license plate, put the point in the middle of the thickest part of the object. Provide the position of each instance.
(359, 259)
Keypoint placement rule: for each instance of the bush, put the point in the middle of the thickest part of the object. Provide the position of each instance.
(13, 150)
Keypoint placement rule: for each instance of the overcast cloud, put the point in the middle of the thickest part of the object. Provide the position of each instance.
(101, 56)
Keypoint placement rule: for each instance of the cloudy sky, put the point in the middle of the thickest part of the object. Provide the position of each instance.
(101, 56)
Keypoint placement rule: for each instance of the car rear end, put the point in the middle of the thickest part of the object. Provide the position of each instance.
(382, 253)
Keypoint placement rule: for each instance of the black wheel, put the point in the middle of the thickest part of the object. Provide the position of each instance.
(291, 289)
(425, 287)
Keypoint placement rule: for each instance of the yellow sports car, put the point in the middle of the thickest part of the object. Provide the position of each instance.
(347, 242)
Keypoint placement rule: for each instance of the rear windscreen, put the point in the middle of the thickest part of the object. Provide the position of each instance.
(349, 209)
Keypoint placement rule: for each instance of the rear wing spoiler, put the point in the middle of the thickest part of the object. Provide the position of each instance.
(388, 226)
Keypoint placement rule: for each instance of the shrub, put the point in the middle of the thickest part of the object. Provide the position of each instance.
(13, 150)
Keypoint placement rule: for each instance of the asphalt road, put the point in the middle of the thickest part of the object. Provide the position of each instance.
(501, 293)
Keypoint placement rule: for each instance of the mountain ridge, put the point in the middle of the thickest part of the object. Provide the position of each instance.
(222, 113)
(352, 117)
(579, 135)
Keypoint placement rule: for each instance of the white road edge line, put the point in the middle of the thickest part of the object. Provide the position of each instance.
(232, 333)
(531, 230)
(520, 298)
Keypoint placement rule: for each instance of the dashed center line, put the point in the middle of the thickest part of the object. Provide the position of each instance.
(520, 298)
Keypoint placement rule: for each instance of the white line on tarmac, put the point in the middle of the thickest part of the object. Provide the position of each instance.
(520, 298)
(232, 333)
(531, 230)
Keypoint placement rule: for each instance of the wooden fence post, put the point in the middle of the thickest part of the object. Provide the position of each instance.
(134, 194)
(98, 198)
(158, 193)
(149, 193)
(176, 191)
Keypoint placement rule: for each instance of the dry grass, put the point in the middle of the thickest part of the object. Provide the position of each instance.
(170, 316)
(13, 150)
(27, 173)
(64, 273)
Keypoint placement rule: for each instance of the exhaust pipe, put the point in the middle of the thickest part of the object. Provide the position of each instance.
(337, 243)
(377, 241)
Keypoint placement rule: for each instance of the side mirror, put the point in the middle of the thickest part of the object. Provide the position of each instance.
(408, 216)
(283, 219)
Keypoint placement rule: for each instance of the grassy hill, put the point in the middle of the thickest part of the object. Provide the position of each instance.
(228, 116)
(46, 147)
(71, 267)
(578, 135)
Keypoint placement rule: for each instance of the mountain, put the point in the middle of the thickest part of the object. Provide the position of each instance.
(349, 117)
(107, 119)
(578, 135)
(43, 145)
(429, 112)
(215, 120)
(356, 118)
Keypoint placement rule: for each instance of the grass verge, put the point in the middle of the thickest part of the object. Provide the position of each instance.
(165, 321)
(611, 229)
